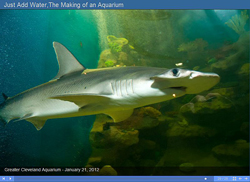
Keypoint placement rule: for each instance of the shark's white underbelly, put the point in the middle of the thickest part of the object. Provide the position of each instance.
(53, 108)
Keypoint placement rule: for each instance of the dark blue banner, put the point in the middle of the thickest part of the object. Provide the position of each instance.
(125, 4)
(124, 178)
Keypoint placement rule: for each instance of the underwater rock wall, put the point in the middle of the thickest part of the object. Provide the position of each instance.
(151, 33)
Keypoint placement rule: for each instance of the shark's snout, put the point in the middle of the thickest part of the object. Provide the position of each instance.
(201, 81)
(195, 74)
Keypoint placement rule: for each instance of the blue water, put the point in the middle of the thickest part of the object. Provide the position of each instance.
(28, 59)
(210, 25)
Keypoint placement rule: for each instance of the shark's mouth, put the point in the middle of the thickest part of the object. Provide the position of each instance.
(179, 88)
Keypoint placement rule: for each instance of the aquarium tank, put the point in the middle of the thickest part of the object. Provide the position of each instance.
(196, 134)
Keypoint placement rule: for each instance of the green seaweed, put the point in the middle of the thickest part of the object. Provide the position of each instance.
(115, 47)
(109, 63)
(196, 45)
(238, 22)
(211, 61)
(116, 44)
(244, 70)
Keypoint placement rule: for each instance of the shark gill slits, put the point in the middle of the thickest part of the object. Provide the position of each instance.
(175, 71)
(122, 87)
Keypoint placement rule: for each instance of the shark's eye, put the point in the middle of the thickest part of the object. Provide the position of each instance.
(175, 72)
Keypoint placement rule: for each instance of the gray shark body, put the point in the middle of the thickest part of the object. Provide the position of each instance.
(77, 91)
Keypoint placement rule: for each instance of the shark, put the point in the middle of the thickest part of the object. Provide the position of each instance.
(116, 91)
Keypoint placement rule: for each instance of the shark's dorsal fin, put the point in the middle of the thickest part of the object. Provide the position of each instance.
(66, 61)
(5, 96)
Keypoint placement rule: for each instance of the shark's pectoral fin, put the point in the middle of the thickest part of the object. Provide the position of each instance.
(37, 122)
(120, 115)
(83, 100)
